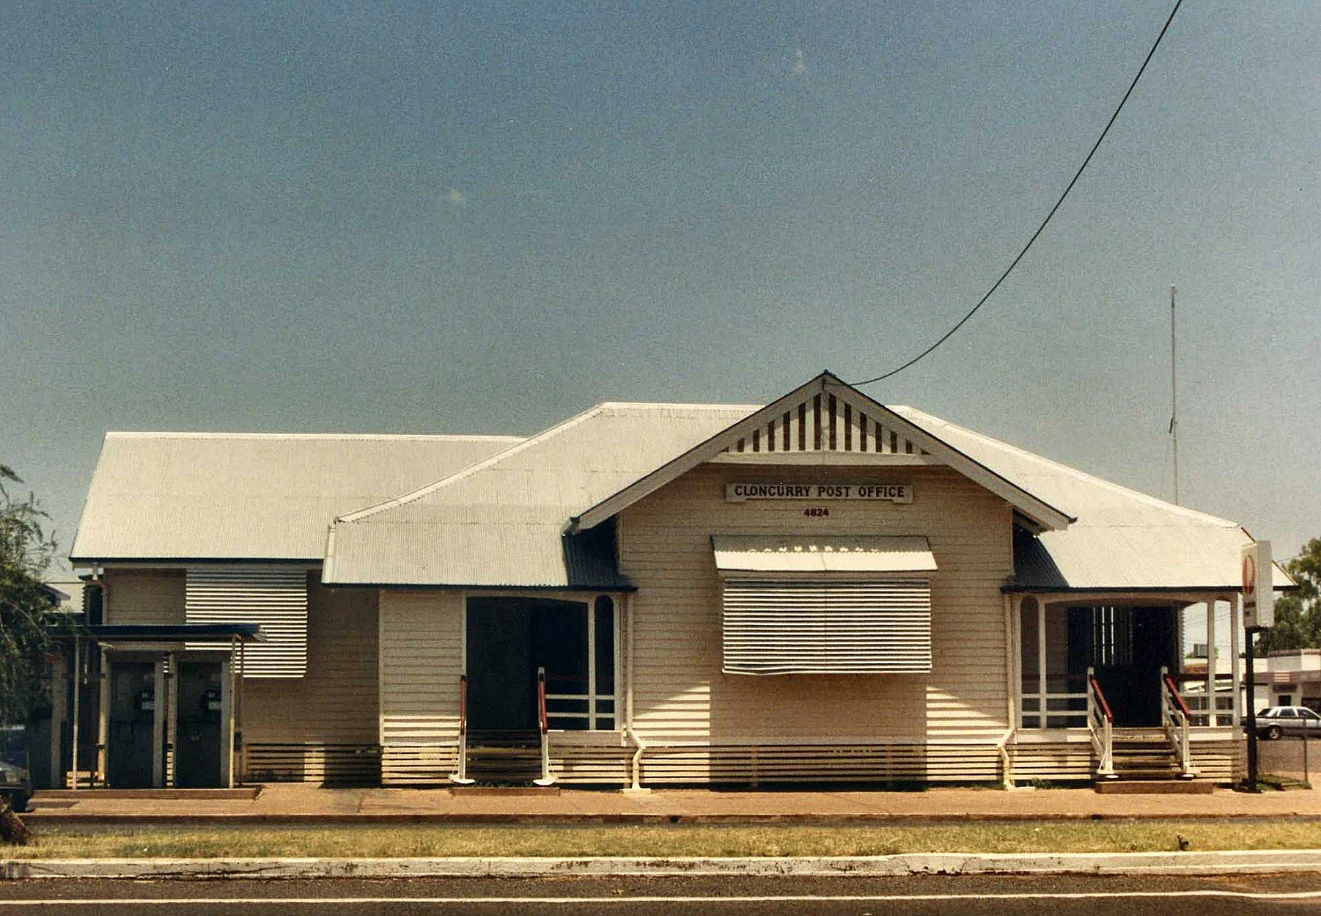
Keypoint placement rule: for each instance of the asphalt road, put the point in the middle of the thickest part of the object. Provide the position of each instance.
(1046, 896)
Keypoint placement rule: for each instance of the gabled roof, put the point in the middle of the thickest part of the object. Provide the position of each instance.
(1028, 503)
(502, 522)
(190, 496)
(1121, 540)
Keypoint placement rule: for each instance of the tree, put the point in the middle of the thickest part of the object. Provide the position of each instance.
(26, 621)
(1298, 614)
(26, 551)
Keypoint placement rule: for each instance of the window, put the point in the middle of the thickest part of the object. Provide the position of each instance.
(602, 705)
(774, 627)
(802, 604)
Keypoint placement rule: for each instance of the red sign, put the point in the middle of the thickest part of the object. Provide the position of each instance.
(1249, 575)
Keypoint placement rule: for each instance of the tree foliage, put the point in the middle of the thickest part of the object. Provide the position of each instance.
(26, 552)
(1298, 614)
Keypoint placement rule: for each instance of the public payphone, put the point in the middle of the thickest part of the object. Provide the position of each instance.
(197, 751)
(132, 724)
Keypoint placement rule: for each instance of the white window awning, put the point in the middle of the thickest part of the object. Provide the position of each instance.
(813, 555)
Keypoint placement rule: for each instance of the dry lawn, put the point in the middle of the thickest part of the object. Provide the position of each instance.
(374, 842)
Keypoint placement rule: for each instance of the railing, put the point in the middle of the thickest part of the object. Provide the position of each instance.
(461, 777)
(1174, 716)
(1101, 727)
(543, 723)
(592, 710)
(1192, 687)
(1066, 709)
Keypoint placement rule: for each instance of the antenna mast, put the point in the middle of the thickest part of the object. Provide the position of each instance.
(1174, 398)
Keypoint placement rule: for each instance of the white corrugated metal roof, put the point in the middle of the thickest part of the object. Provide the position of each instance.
(754, 553)
(1121, 539)
(165, 496)
(501, 522)
(492, 511)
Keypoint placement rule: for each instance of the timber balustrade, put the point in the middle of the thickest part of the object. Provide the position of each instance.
(543, 722)
(1101, 727)
(461, 777)
(1175, 716)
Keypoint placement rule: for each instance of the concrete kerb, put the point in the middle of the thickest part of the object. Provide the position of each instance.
(1132, 863)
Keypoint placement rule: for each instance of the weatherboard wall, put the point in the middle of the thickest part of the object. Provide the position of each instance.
(421, 660)
(683, 702)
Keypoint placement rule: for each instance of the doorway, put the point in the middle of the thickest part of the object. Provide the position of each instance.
(1127, 647)
(509, 639)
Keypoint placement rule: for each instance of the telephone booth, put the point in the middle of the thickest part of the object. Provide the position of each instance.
(168, 705)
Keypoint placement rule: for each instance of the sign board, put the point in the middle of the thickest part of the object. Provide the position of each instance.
(857, 492)
(1258, 587)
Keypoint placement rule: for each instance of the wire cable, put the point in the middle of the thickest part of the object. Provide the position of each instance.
(1045, 222)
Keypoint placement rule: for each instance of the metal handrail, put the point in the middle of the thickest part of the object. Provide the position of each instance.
(1174, 716)
(461, 777)
(1100, 726)
(543, 720)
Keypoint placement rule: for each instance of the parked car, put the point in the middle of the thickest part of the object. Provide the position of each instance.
(15, 786)
(15, 780)
(1277, 721)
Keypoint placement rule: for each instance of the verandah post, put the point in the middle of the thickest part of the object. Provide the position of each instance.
(1236, 671)
(1211, 663)
(1041, 664)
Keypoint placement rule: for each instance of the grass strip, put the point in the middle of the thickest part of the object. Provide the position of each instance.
(432, 841)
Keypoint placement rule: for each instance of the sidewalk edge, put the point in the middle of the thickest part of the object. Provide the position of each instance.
(1133, 863)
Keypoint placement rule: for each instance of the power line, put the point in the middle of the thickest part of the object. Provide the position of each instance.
(1041, 228)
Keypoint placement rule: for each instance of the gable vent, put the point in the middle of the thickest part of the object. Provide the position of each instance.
(880, 627)
(274, 598)
(825, 423)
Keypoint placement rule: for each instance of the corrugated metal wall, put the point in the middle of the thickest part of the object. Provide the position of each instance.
(274, 597)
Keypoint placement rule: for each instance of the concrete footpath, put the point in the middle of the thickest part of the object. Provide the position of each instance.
(298, 803)
(1132, 863)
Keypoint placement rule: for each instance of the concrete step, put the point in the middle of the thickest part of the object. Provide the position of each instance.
(1154, 786)
(504, 790)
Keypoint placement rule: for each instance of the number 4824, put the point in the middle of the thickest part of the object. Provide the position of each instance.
(816, 512)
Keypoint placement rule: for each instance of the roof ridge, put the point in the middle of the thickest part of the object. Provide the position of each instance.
(467, 472)
(1068, 469)
(673, 404)
(421, 437)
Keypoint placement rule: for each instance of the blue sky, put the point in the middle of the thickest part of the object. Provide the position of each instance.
(423, 217)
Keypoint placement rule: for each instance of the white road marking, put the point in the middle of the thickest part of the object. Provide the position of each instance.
(580, 901)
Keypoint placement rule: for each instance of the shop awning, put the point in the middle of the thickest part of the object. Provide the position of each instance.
(813, 555)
